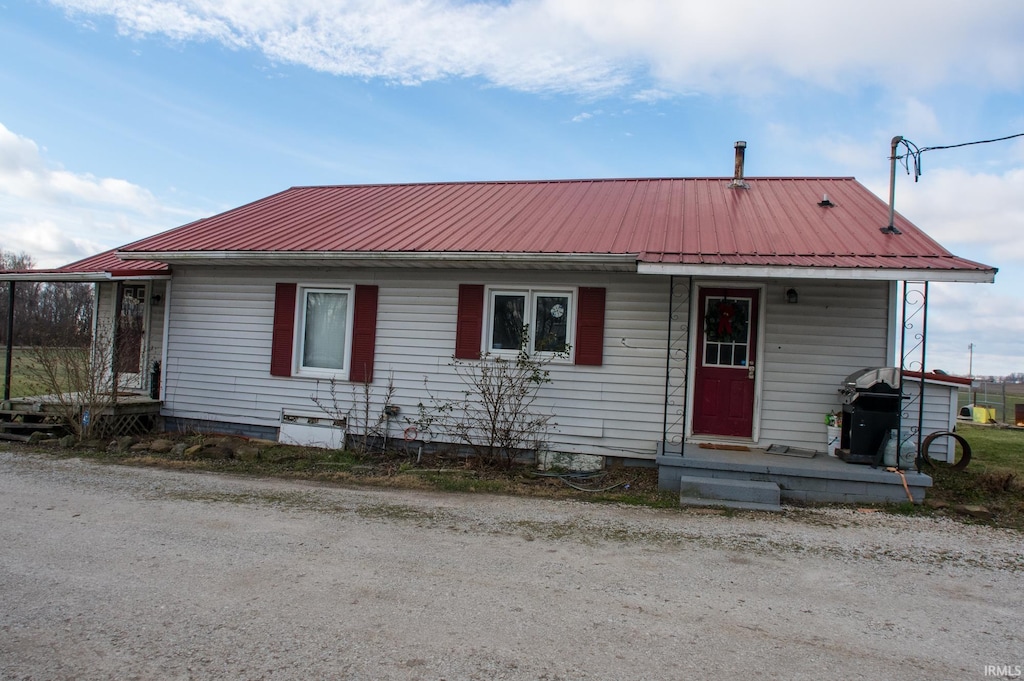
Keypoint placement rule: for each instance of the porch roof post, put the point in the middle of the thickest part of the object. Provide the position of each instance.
(10, 340)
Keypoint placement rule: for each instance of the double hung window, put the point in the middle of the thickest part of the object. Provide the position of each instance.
(323, 329)
(542, 320)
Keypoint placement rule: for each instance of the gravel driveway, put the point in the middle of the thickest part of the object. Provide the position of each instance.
(129, 573)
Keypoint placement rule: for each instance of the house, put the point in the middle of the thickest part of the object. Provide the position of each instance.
(701, 310)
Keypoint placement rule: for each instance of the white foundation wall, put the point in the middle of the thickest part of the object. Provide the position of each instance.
(219, 342)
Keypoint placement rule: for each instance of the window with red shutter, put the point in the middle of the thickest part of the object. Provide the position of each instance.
(324, 331)
(499, 316)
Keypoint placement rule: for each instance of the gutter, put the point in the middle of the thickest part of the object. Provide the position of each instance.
(619, 261)
(84, 277)
(836, 273)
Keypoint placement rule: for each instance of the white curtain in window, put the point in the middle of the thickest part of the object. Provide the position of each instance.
(325, 330)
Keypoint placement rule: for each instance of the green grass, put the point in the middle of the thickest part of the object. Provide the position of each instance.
(994, 448)
(993, 479)
(24, 373)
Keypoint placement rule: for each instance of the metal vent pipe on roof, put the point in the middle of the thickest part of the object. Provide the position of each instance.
(737, 177)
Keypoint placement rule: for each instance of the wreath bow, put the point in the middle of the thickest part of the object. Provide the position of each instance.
(726, 313)
(726, 321)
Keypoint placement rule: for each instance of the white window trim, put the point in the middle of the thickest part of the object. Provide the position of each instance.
(299, 341)
(530, 316)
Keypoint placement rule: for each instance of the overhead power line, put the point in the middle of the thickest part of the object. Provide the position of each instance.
(914, 152)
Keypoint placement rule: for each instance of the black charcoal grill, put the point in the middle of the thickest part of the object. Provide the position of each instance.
(871, 408)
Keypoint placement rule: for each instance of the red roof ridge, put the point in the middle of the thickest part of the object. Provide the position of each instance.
(567, 180)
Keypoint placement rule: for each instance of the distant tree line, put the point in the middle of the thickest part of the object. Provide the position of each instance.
(45, 313)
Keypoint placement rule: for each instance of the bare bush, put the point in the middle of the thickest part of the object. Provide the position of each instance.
(495, 415)
(79, 381)
(364, 413)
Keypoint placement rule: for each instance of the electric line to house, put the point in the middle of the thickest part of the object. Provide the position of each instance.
(914, 152)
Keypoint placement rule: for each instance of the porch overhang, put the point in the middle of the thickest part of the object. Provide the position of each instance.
(979, 276)
(83, 277)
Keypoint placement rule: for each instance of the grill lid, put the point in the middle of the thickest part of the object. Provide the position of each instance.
(865, 379)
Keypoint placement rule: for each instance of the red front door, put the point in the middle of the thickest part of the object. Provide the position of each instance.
(723, 391)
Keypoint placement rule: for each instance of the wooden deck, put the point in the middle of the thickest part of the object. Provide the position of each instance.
(818, 478)
(21, 417)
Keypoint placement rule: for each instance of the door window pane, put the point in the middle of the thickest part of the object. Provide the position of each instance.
(726, 331)
(325, 329)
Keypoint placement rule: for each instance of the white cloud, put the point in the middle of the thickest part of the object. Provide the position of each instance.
(579, 118)
(959, 207)
(601, 46)
(25, 175)
(990, 318)
(58, 216)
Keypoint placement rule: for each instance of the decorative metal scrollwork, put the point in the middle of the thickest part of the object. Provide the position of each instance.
(913, 355)
(677, 362)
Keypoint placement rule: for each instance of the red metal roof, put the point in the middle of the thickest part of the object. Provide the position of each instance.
(99, 267)
(108, 262)
(775, 222)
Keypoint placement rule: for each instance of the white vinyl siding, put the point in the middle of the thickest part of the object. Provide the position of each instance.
(940, 407)
(809, 347)
(220, 328)
(106, 293)
(219, 341)
(156, 324)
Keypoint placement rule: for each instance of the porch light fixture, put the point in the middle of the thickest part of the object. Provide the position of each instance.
(155, 299)
(792, 297)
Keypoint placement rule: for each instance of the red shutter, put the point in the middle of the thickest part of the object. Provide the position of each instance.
(284, 330)
(470, 323)
(590, 327)
(364, 334)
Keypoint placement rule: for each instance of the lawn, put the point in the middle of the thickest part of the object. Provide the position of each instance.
(25, 374)
(993, 479)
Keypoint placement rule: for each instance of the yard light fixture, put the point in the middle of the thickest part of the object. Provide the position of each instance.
(792, 297)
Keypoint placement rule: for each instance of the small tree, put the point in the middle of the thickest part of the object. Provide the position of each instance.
(495, 414)
(79, 381)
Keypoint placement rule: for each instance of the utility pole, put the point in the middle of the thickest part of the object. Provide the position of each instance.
(970, 373)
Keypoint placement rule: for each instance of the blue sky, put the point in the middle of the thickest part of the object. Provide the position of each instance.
(122, 118)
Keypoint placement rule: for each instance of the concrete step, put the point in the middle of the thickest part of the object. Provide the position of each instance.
(728, 492)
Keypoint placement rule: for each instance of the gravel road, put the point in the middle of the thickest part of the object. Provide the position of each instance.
(109, 572)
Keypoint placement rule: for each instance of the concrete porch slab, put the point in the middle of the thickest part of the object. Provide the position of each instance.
(748, 494)
(818, 479)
